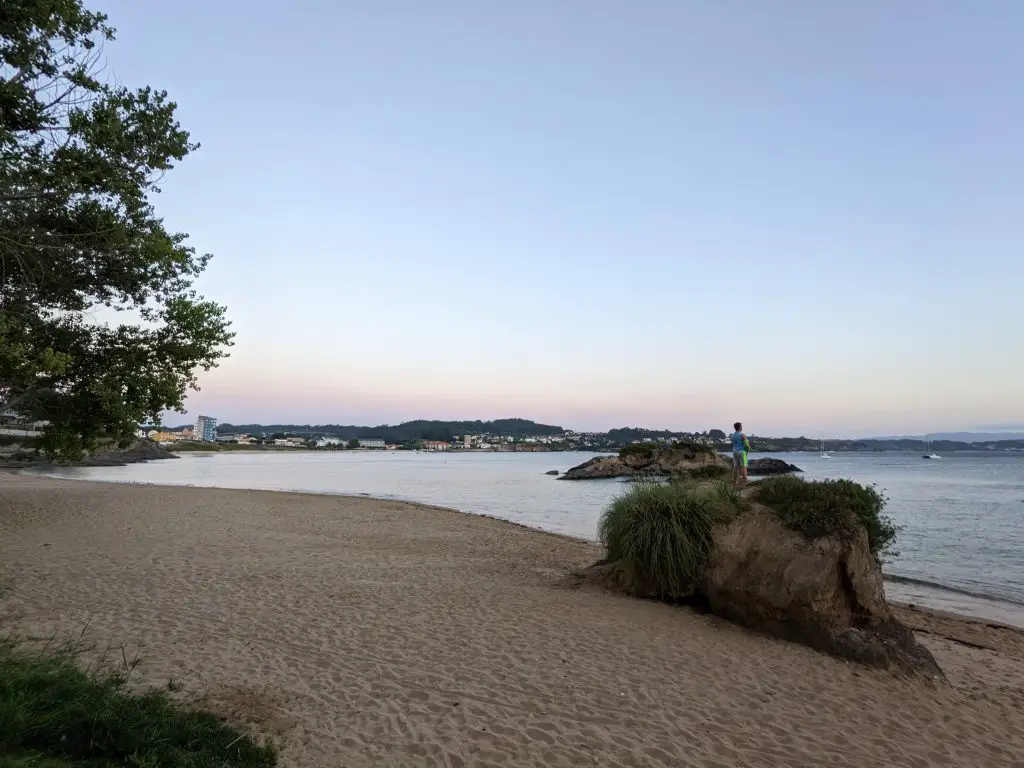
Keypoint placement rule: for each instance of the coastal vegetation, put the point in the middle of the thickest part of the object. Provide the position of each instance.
(663, 533)
(638, 450)
(80, 162)
(823, 507)
(53, 714)
(648, 451)
(706, 472)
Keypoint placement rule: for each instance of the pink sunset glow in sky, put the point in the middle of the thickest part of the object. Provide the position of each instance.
(599, 214)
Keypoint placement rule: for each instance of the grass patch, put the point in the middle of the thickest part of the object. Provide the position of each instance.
(639, 450)
(824, 507)
(662, 533)
(696, 448)
(54, 715)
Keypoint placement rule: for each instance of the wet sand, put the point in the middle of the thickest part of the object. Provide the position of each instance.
(360, 632)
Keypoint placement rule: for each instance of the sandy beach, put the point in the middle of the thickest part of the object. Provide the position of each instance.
(360, 632)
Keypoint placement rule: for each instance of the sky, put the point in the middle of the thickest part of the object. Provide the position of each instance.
(802, 215)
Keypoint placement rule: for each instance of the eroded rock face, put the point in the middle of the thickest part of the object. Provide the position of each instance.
(762, 467)
(826, 593)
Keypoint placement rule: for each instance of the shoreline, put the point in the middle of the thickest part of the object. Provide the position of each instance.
(365, 632)
(991, 610)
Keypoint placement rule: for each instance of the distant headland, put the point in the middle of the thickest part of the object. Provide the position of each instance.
(18, 437)
(527, 435)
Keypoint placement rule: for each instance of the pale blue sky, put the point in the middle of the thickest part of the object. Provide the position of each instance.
(805, 215)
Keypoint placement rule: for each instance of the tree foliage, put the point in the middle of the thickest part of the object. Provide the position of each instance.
(80, 160)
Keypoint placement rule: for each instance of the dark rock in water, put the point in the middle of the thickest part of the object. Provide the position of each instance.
(658, 462)
(826, 593)
(761, 467)
(552, 472)
(598, 468)
(140, 450)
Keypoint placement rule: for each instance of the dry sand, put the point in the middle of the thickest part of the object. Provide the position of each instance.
(371, 633)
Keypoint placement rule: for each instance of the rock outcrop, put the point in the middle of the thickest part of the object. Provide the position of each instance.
(825, 593)
(138, 451)
(598, 468)
(552, 472)
(760, 467)
(656, 462)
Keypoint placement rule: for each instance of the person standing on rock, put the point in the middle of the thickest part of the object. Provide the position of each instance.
(740, 447)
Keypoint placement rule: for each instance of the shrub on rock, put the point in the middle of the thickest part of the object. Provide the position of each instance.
(826, 507)
(639, 450)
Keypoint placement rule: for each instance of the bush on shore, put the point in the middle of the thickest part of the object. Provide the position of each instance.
(662, 534)
(707, 472)
(825, 507)
(640, 450)
(698, 448)
(54, 715)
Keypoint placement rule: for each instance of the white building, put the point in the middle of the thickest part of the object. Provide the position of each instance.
(371, 442)
(206, 429)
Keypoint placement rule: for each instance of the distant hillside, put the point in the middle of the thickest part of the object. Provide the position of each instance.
(786, 444)
(405, 432)
(964, 437)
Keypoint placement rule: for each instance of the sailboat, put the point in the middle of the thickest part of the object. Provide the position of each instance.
(822, 453)
(928, 452)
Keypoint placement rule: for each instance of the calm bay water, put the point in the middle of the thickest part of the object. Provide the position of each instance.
(961, 548)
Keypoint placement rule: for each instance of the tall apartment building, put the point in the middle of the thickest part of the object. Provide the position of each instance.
(206, 429)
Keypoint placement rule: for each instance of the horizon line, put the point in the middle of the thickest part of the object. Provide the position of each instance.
(924, 435)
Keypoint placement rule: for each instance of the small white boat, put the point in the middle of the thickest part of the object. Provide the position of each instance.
(822, 453)
(928, 452)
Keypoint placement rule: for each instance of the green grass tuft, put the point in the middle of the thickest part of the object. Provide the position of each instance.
(696, 448)
(641, 450)
(662, 534)
(707, 472)
(823, 507)
(54, 715)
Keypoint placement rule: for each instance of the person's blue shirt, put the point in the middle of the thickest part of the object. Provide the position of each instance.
(738, 442)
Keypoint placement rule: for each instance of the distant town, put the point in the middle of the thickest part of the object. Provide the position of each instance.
(206, 430)
(512, 435)
(523, 435)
